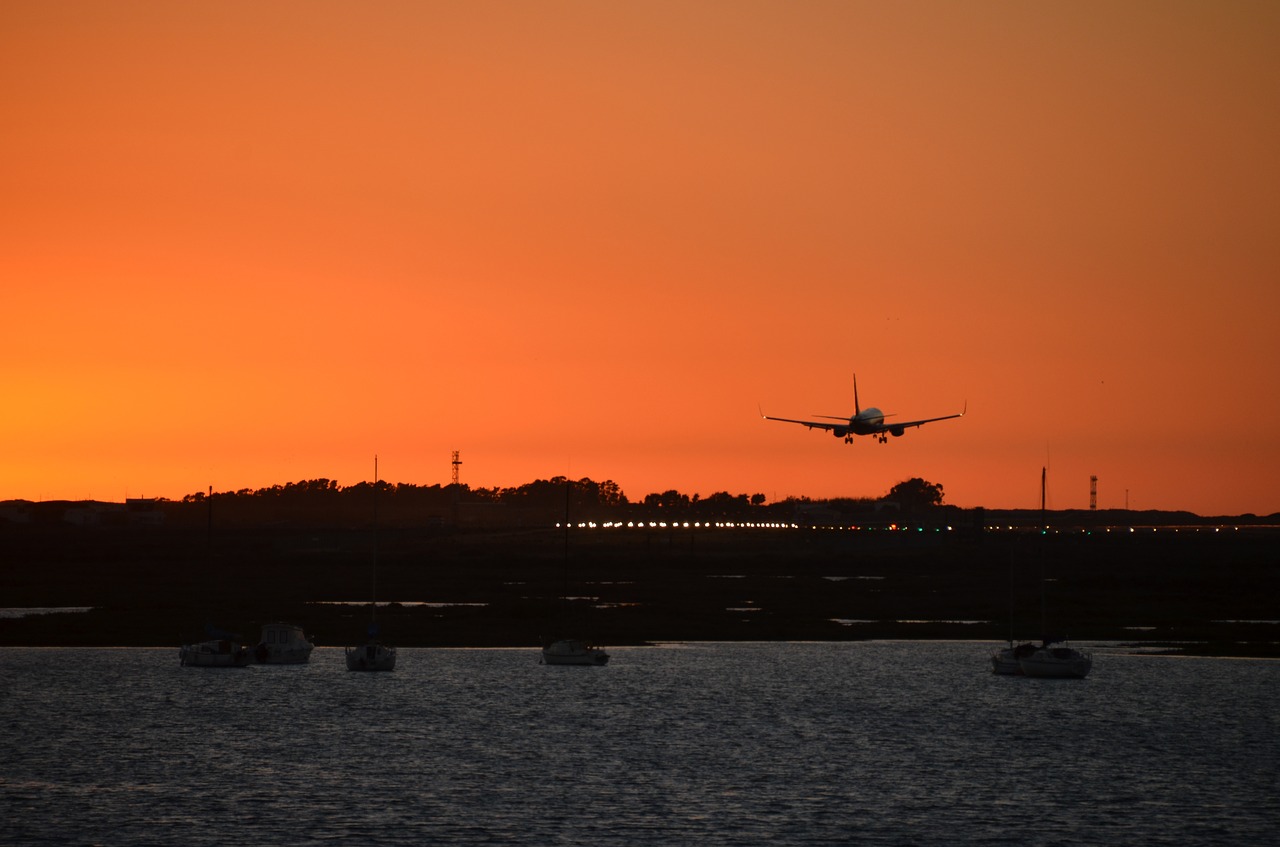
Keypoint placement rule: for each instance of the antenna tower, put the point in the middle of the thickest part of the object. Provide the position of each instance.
(1093, 493)
(456, 462)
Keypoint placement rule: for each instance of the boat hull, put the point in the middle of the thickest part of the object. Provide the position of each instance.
(1005, 665)
(1007, 661)
(371, 657)
(214, 654)
(1059, 663)
(570, 652)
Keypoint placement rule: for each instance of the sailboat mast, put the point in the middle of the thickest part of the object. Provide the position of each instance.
(1011, 596)
(564, 570)
(1044, 621)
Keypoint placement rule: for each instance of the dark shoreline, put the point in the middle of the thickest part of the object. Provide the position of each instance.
(1194, 592)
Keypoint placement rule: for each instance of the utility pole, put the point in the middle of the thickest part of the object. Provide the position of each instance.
(1093, 493)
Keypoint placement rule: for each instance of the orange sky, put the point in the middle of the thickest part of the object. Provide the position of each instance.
(249, 243)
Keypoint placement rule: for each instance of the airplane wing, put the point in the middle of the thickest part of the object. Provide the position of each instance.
(904, 424)
(810, 424)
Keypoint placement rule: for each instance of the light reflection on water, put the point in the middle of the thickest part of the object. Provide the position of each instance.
(869, 743)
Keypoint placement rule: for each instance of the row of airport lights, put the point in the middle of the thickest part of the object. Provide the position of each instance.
(728, 525)
(784, 525)
(678, 525)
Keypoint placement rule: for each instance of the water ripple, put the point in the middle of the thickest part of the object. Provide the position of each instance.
(718, 744)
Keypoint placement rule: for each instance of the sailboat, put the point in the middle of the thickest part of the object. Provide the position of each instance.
(571, 651)
(373, 655)
(1050, 662)
(221, 650)
(1007, 660)
(1045, 661)
(558, 650)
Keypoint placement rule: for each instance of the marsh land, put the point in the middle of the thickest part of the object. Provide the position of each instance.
(1203, 588)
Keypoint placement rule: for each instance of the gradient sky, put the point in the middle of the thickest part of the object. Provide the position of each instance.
(248, 243)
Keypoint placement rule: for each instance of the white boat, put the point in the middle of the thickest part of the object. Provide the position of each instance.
(570, 651)
(1044, 661)
(215, 653)
(1006, 660)
(1049, 662)
(373, 655)
(283, 644)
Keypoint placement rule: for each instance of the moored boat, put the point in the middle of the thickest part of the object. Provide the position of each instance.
(570, 651)
(283, 644)
(215, 653)
(1006, 660)
(373, 655)
(1049, 662)
(1045, 661)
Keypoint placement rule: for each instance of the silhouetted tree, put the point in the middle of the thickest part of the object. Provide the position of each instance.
(670, 500)
(610, 494)
(916, 494)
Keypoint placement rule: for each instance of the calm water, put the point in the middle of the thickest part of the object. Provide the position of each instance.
(786, 744)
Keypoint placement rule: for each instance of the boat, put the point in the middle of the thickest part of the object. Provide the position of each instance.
(1006, 660)
(571, 651)
(1044, 661)
(1050, 662)
(215, 653)
(282, 644)
(373, 655)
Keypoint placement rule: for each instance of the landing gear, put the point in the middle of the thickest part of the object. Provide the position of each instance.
(848, 439)
(884, 439)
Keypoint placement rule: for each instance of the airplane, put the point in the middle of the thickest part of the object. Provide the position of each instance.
(869, 421)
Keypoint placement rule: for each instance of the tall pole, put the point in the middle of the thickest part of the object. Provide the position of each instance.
(1044, 634)
(565, 606)
(1042, 478)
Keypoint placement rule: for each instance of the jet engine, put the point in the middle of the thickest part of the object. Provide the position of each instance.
(839, 433)
(896, 431)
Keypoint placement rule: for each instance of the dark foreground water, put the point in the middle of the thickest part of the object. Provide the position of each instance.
(784, 744)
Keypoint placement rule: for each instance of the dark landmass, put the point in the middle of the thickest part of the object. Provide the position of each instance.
(1185, 583)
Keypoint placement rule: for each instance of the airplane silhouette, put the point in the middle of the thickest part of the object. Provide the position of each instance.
(869, 421)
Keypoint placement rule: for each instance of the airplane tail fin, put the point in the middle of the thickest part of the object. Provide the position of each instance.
(857, 410)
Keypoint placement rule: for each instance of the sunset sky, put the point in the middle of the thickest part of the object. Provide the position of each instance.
(249, 243)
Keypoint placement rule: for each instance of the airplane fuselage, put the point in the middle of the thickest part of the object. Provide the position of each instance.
(866, 422)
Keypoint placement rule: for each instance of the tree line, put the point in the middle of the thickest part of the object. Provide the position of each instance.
(553, 499)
